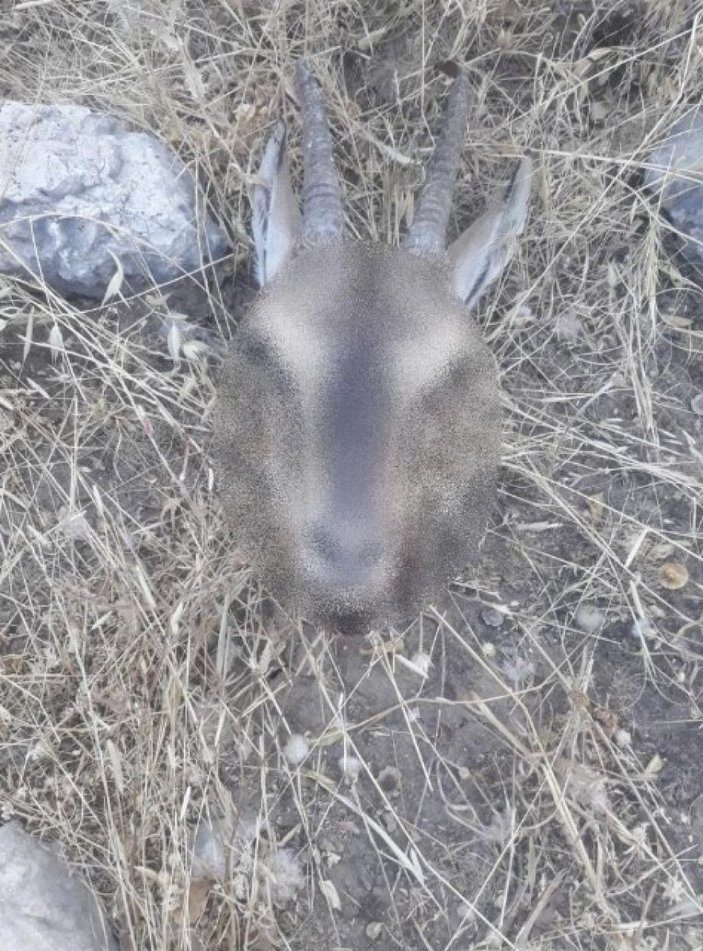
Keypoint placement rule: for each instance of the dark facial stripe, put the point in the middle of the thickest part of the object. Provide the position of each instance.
(354, 431)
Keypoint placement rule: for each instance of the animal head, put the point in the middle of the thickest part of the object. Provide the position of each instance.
(357, 428)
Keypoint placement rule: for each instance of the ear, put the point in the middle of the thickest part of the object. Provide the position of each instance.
(276, 216)
(479, 255)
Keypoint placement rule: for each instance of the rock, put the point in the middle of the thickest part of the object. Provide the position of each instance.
(674, 174)
(42, 905)
(78, 187)
(491, 617)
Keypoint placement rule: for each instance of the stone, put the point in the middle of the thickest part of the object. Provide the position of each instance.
(491, 617)
(43, 906)
(674, 175)
(79, 192)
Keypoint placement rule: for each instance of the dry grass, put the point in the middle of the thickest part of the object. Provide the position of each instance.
(525, 786)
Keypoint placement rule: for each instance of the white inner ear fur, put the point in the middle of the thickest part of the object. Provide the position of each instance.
(276, 216)
(480, 254)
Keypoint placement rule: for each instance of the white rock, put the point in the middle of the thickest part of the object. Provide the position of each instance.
(491, 617)
(674, 174)
(43, 906)
(80, 190)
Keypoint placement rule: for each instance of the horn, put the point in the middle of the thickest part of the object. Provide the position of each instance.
(426, 234)
(323, 215)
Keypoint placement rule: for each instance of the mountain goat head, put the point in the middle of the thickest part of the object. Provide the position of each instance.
(357, 427)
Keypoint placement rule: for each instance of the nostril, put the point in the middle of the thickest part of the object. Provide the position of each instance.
(333, 553)
(323, 544)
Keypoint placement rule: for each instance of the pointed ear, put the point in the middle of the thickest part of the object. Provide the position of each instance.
(479, 255)
(276, 216)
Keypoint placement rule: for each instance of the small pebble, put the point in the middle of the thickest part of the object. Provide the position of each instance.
(492, 618)
(673, 575)
(296, 749)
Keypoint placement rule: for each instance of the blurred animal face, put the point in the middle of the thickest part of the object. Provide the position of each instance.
(359, 433)
(357, 429)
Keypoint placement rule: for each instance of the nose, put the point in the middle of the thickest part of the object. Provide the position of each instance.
(343, 557)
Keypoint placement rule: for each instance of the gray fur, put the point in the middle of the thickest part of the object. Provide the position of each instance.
(357, 430)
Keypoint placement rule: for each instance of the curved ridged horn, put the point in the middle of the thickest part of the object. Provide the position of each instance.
(427, 232)
(323, 215)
